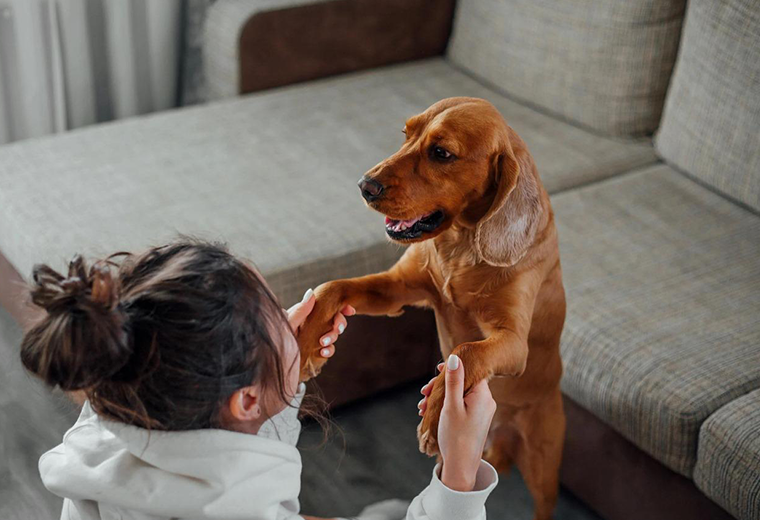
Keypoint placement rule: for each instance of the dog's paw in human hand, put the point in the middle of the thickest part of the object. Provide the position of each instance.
(317, 322)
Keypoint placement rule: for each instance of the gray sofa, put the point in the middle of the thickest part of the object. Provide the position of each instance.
(659, 236)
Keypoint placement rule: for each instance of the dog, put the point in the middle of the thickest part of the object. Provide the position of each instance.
(464, 193)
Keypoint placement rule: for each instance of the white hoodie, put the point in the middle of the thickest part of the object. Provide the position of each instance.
(112, 471)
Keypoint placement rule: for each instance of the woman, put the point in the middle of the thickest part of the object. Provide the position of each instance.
(190, 368)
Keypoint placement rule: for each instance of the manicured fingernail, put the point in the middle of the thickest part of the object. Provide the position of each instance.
(453, 362)
(325, 352)
(307, 295)
(341, 328)
(325, 341)
(419, 413)
(422, 390)
(419, 405)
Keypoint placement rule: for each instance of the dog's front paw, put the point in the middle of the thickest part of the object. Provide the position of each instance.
(308, 343)
(329, 301)
(428, 441)
(427, 431)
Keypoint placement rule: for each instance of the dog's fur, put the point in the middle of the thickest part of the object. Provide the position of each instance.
(490, 271)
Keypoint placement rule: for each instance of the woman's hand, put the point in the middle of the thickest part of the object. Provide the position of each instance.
(297, 316)
(463, 428)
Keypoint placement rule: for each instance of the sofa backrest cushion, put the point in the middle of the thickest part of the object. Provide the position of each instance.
(603, 64)
(711, 124)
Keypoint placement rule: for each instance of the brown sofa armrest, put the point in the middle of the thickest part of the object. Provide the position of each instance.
(296, 44)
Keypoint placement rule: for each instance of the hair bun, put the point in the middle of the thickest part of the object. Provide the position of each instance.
(84, 339)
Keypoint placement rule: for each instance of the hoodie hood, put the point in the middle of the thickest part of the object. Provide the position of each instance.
(213, 474)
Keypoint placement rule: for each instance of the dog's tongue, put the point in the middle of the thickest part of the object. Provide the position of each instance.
(405, 223)
(401, 225)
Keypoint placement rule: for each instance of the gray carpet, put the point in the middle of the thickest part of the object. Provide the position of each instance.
(32, 420)
(371, 454)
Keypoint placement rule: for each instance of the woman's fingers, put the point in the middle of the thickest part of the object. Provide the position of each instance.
(425, 391)
(329, 338)
(339, 323)
(298, 313)
(327, 352)
(454, 381)
(427, 388)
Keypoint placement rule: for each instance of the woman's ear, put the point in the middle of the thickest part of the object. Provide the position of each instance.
(506, 231)
(245, 405)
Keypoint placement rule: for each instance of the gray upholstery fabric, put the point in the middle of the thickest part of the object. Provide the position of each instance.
(603, 64)
(273, 174)
(224, 22)
(711, 124)
(728, 458)
(663, 291)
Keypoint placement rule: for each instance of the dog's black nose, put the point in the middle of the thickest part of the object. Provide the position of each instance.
(371, 189)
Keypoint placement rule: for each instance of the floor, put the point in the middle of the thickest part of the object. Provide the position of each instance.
(32, 420)
(370, 455)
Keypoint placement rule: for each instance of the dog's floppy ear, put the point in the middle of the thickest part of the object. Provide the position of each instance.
(506, 231)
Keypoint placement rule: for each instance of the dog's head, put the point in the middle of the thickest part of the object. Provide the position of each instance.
(460, 164)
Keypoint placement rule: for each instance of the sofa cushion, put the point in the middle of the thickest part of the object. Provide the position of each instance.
(273, 174)
(602, 64)
(712, 114)
(663, 291)
(728, 458)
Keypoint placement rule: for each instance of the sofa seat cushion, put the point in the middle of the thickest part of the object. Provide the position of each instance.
(272, 174)
(728, 458)
(711, 120)
(602, 64)
(663, 291)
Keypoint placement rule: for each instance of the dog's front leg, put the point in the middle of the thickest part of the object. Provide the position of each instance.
(506, 316)
(378, 294)
(500, 353)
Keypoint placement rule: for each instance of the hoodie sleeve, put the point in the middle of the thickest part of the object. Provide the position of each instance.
(437, 502)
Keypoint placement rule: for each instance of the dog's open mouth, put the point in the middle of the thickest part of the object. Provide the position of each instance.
(413, 228)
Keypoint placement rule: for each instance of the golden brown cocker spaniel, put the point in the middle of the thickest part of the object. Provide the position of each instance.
(464, 192)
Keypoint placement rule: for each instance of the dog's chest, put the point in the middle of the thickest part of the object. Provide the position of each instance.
(452, 274)
(455, 303)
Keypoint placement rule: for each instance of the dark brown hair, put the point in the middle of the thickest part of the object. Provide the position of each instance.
(159, 340)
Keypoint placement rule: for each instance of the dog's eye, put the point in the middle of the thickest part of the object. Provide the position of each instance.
(441, 153)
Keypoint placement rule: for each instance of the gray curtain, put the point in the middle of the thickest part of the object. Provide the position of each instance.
(70, 63)
(193, 89)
